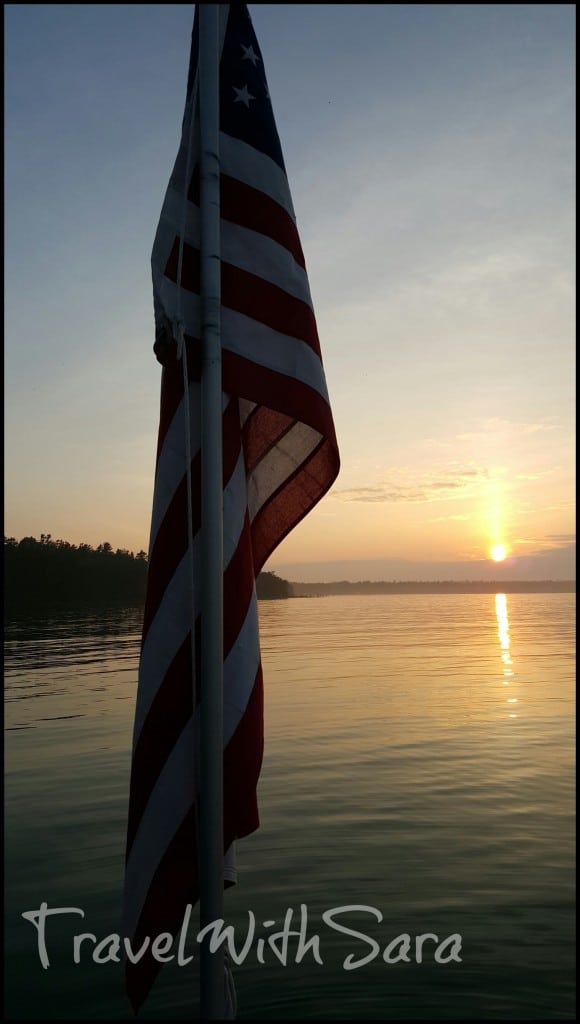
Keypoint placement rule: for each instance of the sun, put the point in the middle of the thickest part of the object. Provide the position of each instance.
(498, 552)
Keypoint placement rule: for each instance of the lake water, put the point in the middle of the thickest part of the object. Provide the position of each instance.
(418, 762)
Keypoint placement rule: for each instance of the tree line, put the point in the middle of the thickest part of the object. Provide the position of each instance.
(47, 571)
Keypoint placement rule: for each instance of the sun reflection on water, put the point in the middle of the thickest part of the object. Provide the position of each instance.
(503, 632)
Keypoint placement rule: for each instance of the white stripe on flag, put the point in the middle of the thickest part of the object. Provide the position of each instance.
(279, 463)
(172, 621)
(256, 342)
(172, 797)
(249, 250)
(243, 162)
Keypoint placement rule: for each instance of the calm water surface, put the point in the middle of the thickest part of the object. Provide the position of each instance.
(418, 761)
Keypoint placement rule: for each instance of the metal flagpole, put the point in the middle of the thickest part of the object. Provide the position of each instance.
(211, 850)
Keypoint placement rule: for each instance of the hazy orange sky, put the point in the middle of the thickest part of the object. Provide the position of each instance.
(430, 154)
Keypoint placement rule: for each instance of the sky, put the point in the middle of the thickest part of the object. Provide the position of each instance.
(430, 154)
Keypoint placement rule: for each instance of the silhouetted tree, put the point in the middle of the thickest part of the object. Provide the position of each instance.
(270, 587)
(49, 571)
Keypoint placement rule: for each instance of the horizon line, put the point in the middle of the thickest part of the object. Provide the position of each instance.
(327, 583)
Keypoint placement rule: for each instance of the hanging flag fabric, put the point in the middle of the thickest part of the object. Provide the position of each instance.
(279, 458)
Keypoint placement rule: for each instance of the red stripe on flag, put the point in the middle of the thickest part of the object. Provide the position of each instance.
(288, 505)
(171, 543)
(246, 293)
(242, 763)
(238, 588)
(251, 208)
(172, 383)
(277, 391)
(171, 540)
(159, 734)
(268, 304)
(163, 726)
(175, 883)
(263, 429)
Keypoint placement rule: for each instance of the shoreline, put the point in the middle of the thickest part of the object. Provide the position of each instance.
(345, 588)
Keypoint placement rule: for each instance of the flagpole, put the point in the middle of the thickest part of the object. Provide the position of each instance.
(211, 834)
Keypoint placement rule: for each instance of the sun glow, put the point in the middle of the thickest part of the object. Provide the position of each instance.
(498, 552)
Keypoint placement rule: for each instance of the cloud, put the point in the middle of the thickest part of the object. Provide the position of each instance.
(549, 543)
(537, 476)
(445, 484)
(449, 519)
(536, 565)
(497, 426)
(382, 494)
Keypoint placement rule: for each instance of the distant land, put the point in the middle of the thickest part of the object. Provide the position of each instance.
(45, 573)
(557, 562)
(434, 587)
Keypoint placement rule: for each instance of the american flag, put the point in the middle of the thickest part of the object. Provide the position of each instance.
(280, 456)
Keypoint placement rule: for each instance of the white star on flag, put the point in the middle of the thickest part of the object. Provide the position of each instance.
(249, 54)
(243, 96)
